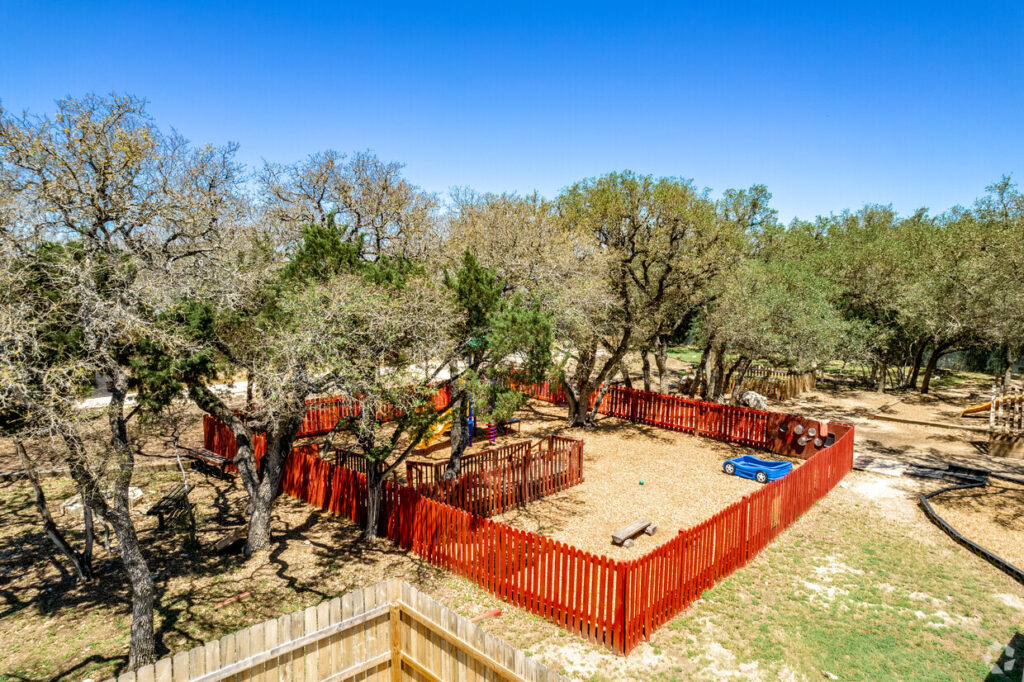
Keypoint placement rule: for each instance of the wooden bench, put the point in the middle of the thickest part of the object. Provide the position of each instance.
(171, 505)
(624, 536)
(208, 461)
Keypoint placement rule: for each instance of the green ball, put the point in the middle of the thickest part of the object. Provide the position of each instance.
(641, 482)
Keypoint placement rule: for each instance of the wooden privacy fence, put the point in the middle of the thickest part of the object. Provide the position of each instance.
(386, 632)
(611, 602)
(494, 481)
(776, 384)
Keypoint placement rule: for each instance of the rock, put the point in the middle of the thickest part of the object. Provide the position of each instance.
(753, 399)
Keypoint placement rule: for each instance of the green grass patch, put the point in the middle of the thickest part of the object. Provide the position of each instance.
(867, 603)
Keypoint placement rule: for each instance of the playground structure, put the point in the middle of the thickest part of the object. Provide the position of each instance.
(1006, 421)
(985, 408)
(615, 603)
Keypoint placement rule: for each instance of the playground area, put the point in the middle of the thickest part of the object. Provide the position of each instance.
(631, 471)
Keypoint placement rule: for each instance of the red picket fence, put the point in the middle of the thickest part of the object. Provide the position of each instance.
(726, 422)
(614, 603)
(549, 391)
(494, 481)
(419, 472)
(578, 590)
(671, 577)
(323, 413)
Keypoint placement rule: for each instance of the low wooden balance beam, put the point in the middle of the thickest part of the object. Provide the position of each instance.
(624, 536)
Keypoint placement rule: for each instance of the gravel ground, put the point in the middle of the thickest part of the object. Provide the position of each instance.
(682, 476)
(992, 516)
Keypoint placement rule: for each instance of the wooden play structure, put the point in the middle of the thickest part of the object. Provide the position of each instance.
(985, 408)
(1006, 421)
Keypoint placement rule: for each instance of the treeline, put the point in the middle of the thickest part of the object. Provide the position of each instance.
(167, 267)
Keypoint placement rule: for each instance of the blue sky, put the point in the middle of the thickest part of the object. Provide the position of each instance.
(831, 105)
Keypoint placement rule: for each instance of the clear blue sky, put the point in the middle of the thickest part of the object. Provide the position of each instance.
(829, 104)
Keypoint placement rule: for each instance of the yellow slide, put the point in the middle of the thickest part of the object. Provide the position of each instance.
(435, 434)
(973, 409)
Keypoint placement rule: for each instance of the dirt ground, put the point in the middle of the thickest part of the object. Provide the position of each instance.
(630, 472)
(992, 516)
(154, 445)
(52, 629)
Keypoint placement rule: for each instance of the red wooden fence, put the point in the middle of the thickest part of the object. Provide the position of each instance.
(494, 481)
(611, 602)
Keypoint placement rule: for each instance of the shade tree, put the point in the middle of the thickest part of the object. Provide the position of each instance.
(664, 245)
(143, 208)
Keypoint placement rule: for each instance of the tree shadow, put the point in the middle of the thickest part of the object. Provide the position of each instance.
(1007, 667)
(190, 584)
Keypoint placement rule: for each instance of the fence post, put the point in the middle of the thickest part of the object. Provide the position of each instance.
(395, 621)
(522, 483)
(620, 591)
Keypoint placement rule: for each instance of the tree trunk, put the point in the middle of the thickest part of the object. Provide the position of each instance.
(701, 376)
(257, 538)
(262, 481)
(585, 382)
(245, 457)
(714, 367)
(661, 360)
(82, 563)
(918, 359)
(141, 649)
(645, 361)
(625, 376)
(579, 406)
(248, 390)
(459, 433)
(737, 378)
(1011, 358)
(374, 499)
(271, 470)
(578, 389)
(880, 377)
(730, 376)
(699, 381)
(926, 380)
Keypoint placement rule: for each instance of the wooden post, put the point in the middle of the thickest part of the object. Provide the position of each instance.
(992, 411)
(395, 622)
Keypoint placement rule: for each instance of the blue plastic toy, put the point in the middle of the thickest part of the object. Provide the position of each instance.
(760, 470)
